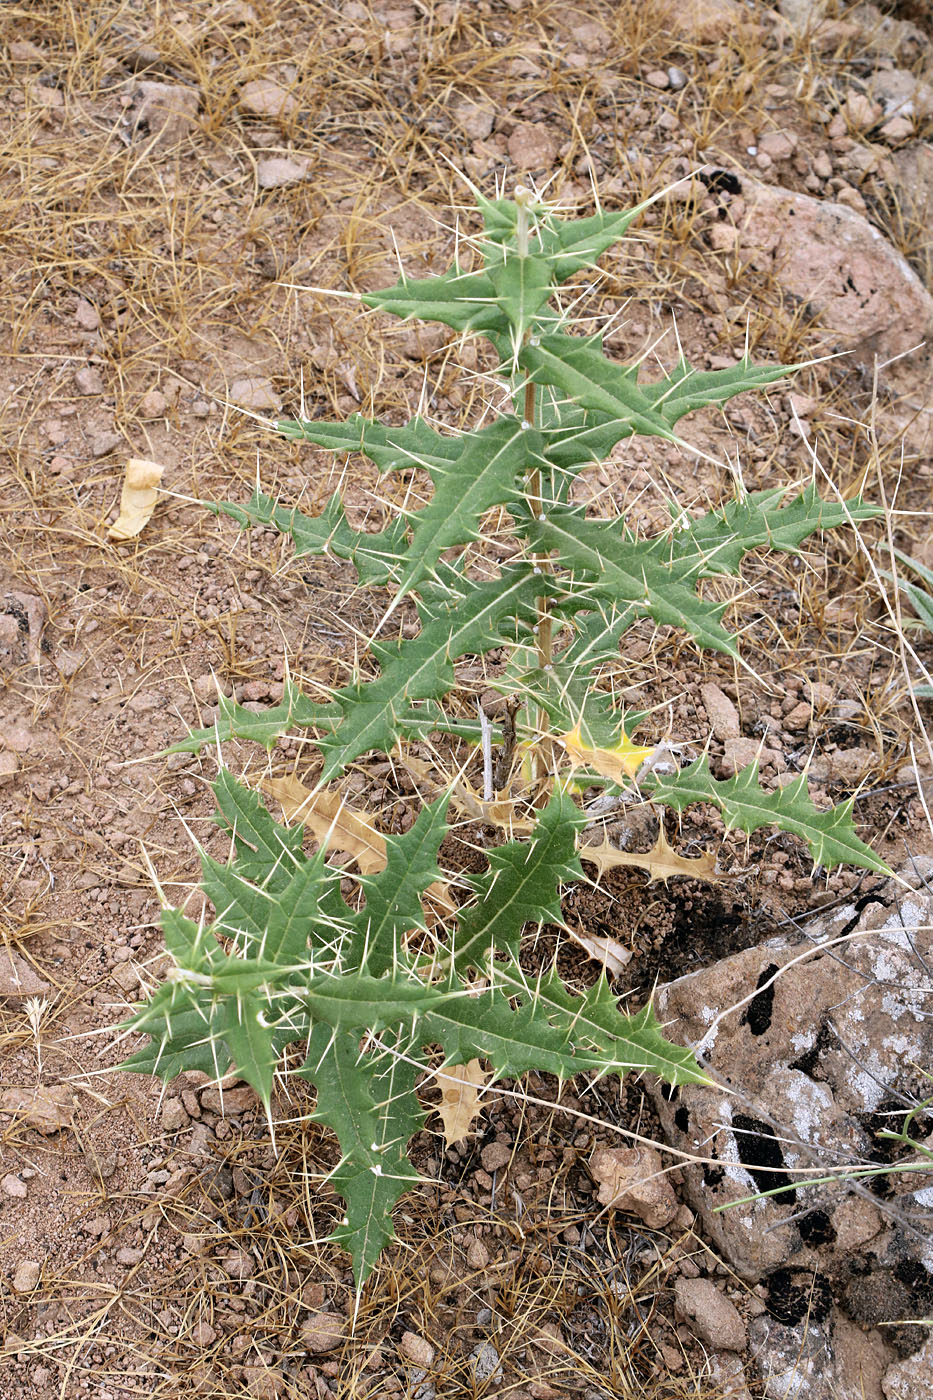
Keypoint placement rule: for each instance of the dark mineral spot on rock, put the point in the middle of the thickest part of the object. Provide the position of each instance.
(794, 1294)
(760, 1152)
(816, 1228)
(757, 1015)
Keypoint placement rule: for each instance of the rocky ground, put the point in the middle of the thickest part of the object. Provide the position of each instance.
(175, 183)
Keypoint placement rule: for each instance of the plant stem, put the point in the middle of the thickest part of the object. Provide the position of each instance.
(534, 486)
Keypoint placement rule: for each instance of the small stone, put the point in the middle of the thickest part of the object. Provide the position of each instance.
(477, 1254)
(174, 1117)
(153, 404)
(861, 112)
(126, 976)
(17, 977)
(200, 408)
(229, 1101)
(101, 1164)
(238, 1264)
(89, 381)
(779, 145)
(658, 78)
(897, 129)
(323, 1331)
(27, 1276)
(739, 753)
(531, 147)
(12, 1186)
(253, 393)
(128, 1257)
(87, 316)
(48, 1110)
(633, 1179)
(474, 119)
(265, 98)
(24, 51)
(486, 1362)
(276, 171)
(416, 1349)
(709, 1314)
(9, 767)
(202, 1334)
(799, 716)
(723, 237)
(104, 443)
(495, 1156)
(722, 714)
(18, 737)
(162, 114)
(194, 1244)
(677, 78)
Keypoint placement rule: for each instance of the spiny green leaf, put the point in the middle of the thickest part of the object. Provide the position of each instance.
(627, 572)
(370, 1103)
(376, 557)
(746, 806)
(521, 886)
(393, 896)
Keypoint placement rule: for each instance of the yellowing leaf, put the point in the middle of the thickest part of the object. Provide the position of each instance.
(618, 763)
(334, 825)
(460, 1087)
(661, 862)
(138, 499)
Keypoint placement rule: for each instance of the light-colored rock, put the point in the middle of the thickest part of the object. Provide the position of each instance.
(88, 381)
(532, 147)
(910, 1379)
(128, 1256)
(12, 1186)
(162, 114)
(417, 1350)
(865, 292)
(704, 21)
(255, 394)
(25, 51)
(18, 978)
(229, 1101)
(265, 98)
(276, 171)
(26, 1276)
(174, 1118)
(9, 767)
(322, 1332)
(779, 145)
(710, 1314)
(475, 119)
(634, 1179)
(739, 753)
(153, 404)
(87, 316)
(48, 1109)
(815, 1043)
(720, 711)
(901, 94)
(238, 1264)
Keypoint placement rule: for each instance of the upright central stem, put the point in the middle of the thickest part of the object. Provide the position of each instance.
(534, 486)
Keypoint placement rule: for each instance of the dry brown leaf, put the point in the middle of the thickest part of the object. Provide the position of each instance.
(607, 951)
(138, 499)
(333, 824)
(661, 862)
(460, 1087)
(338, 828)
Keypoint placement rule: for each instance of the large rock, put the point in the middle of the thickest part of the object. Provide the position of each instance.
(818, 1039)
(863, 290)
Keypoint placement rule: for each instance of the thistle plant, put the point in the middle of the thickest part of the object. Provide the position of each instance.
(418, 969)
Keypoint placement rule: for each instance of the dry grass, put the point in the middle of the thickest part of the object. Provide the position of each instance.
(191, 269)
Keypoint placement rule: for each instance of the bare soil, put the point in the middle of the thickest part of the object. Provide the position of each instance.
(178, 1250)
